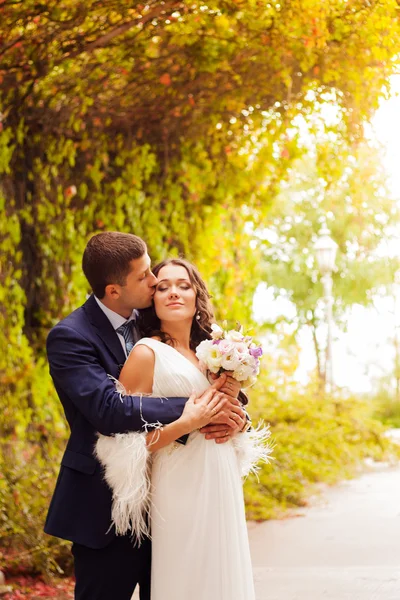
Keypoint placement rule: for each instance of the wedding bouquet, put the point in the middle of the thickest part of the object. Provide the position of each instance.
(231, 351)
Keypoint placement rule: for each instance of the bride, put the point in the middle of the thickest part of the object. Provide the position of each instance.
(194, 494)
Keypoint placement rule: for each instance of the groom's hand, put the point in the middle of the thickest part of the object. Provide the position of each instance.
(222, 433)
(229, 420)
(216, 386)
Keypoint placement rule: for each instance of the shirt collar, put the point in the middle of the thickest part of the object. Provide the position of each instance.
(115, 319)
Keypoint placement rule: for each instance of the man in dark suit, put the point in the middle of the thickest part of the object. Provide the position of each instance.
(86, 351)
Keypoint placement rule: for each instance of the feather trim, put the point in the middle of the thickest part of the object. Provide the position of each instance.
(126, 462)
(253, 447)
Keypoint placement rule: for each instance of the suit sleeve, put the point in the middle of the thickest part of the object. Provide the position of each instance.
(243, 399)
(77, 373)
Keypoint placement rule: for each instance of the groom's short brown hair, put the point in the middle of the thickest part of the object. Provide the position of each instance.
(107, 259)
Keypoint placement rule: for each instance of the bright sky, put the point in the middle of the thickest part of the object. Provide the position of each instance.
(386, 124)
(365, 351)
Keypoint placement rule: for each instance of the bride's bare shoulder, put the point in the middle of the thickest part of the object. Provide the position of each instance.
(142, 353)
(138, 371)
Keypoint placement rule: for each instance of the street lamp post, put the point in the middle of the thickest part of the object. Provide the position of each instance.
(325, 249)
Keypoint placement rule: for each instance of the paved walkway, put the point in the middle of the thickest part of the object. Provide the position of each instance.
(346, 547)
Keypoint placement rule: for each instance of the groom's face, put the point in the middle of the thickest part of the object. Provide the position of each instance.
(138, 290)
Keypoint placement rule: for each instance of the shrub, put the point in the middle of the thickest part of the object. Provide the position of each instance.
(387, 407)
(317, 439)
(32, 439)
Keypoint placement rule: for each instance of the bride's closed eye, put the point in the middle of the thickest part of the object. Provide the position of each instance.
(183, 286)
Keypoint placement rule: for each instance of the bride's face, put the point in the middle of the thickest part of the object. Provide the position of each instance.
(175, 297)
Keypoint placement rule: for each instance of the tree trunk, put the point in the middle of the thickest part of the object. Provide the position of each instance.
(29, 246)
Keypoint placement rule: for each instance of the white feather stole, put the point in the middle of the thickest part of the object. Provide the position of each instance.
(126, 462)
(253, 447)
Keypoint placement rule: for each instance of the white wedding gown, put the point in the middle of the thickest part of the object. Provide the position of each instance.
(193, 493)
(200, 548)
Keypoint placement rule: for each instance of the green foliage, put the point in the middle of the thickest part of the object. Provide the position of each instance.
(173, 120)
(353, 200)
(386, 404)
(345, 188)
(28, 474)
(170, 119)
(318, 439)
(31, 422)
(32, 441)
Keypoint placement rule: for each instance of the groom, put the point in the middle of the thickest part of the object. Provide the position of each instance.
(86, 351)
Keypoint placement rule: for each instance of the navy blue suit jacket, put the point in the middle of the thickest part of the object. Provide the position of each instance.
(83, 350)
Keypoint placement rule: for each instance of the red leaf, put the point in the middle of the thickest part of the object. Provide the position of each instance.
(165, 79)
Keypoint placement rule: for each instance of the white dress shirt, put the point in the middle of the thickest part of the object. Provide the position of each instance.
(116, 320)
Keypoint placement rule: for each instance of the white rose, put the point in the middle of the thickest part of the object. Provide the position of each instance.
(226, 346)
(243, 372)
(242, 350)
(249, 361)
(203, 350)
(230, 361)
(217, 332)
(213, 359)
(213, 365)
(234, 336)
(209, 354)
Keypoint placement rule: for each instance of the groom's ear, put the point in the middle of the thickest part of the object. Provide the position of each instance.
(112, 291)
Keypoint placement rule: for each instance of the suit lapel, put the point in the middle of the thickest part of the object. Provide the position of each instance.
(104, 329)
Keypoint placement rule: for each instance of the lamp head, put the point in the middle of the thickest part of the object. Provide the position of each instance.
(325, 250)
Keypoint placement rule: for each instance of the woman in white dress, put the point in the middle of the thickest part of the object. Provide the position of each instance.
(200, 546)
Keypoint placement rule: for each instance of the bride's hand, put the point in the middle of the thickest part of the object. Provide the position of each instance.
(199, 411)
(231, 387)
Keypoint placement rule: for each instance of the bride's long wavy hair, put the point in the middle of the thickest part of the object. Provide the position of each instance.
(149, 324)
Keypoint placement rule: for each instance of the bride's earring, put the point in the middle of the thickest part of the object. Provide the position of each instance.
(198, 316)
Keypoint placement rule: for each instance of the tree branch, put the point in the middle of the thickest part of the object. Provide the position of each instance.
(103, 40)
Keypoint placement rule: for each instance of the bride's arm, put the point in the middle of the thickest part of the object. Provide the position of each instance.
(138, 372)
(137, 377)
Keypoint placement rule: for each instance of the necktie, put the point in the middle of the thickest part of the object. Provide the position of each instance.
(128, 331)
